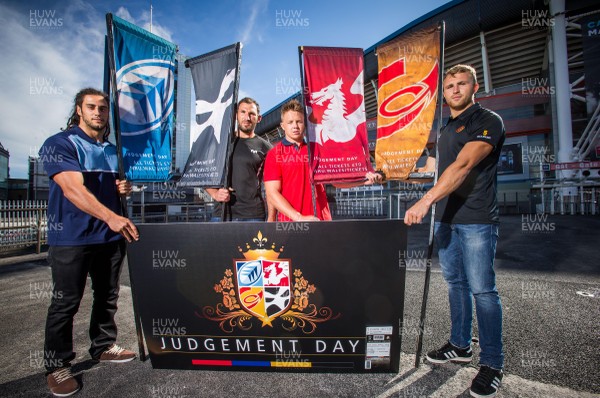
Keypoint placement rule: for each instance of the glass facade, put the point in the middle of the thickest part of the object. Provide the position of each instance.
(4, 155)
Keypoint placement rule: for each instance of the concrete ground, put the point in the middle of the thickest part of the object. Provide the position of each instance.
(548, 275)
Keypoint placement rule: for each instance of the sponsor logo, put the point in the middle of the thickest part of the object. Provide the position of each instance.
(484, 135)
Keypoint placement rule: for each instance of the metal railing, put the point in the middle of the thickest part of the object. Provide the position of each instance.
(374, 203)
(568, 198)
(23, 224)
(170, 212)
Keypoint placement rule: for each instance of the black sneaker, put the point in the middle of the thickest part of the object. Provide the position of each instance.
(450, 353)
(486, 383)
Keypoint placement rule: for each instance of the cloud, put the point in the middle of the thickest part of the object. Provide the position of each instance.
(250, 31)
(47, 57)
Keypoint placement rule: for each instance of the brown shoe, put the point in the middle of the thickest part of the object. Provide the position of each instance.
(62, 383)
(114, 353)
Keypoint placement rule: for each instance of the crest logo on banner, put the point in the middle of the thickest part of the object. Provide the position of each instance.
(267, 289)
(143, 107)
(263, 287)
(216, 109)
(419, 95)
(335, 123)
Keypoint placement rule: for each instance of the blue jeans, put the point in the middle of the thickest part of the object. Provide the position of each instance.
(466, 253)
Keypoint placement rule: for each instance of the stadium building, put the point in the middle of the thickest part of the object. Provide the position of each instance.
(537, 65)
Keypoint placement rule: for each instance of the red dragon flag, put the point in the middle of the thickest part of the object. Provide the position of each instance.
(335, 109)
(406, 100)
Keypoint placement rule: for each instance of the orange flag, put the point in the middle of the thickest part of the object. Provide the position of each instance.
(409, 70)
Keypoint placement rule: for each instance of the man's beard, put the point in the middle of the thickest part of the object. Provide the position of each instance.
(246, 130)
(95, 127)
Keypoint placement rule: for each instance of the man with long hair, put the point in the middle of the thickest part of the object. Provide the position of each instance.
(86, 235)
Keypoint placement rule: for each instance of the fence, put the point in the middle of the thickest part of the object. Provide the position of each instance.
(567, 198)
(374, 203)
(22, 224)
(170, 212)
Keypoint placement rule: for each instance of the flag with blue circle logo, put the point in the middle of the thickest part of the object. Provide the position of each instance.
(145, 67)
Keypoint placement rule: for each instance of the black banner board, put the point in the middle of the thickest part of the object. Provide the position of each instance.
(319, 296)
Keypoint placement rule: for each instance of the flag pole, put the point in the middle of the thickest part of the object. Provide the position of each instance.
(442, 28)
(302, 88)
(115, 98)
(117, 125)
(226, 209)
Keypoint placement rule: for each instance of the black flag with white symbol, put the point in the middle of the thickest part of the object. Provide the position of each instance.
(215, 77)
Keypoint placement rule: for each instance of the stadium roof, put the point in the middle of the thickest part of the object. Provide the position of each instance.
(464, 20)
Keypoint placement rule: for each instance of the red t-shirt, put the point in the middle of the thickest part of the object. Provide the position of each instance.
(288, 164)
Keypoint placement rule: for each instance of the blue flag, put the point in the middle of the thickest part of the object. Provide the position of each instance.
(145, 71)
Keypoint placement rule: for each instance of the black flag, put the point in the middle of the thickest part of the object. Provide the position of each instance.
(215, 78)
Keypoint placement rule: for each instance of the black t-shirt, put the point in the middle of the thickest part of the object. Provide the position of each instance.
(475, 201)
(247, 161)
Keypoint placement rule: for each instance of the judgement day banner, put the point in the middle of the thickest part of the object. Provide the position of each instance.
(145, 68)
(271, 295)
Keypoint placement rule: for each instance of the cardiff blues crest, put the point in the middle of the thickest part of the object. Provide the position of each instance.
(265, 287)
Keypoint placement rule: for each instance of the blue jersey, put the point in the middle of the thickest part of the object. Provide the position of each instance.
(73, 150)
